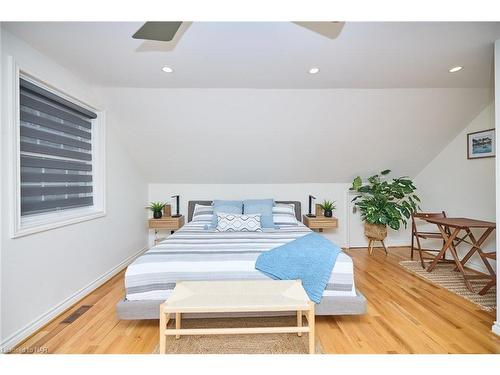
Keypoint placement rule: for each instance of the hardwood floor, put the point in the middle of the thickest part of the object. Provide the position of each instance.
(405, 315)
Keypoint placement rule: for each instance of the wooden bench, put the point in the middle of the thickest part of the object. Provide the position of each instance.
(236, 297)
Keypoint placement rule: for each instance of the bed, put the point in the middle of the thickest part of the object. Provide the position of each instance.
(193, 253)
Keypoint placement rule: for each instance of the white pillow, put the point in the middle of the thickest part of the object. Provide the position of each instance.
(284, 214)
(238, 222)
(202, 213)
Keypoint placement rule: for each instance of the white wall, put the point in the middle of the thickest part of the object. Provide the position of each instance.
(343, 235)
(2, 134)
(496, 325)
(44, 273)
(462, 187)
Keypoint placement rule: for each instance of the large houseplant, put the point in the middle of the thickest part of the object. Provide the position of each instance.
(384, 202)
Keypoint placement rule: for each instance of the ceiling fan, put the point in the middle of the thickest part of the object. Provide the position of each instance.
(165, 31)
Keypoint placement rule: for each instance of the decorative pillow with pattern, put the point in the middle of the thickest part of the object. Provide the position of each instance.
(203, 213)
(227, 222)
(284, 214)
(227, 206)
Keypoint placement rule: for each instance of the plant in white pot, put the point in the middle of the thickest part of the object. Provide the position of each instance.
(384, 203)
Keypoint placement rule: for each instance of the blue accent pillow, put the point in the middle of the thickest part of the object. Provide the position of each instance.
(227, 207)
(264, 207)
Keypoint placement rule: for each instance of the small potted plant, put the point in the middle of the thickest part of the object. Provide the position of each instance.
(328, 207)
(384, 203)
(156, 207)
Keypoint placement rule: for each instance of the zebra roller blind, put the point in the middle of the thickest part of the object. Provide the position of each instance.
(56, 152)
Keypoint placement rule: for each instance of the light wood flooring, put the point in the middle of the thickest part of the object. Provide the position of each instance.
(405, 315)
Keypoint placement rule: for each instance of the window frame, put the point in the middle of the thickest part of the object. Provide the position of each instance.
(22, 226)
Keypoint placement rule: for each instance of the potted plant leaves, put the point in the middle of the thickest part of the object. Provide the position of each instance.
(384, 203)
(328, 207)
(157, 208)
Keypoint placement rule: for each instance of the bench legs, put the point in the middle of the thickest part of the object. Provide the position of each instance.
(177, 323)
(311, 324)
(299, 322)
(165, 318)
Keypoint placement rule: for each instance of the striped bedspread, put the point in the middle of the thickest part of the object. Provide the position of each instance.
(193, 253)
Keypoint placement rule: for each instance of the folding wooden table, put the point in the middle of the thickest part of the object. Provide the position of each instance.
(450, 229)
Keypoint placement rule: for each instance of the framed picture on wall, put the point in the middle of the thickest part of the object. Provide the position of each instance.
(481, 144)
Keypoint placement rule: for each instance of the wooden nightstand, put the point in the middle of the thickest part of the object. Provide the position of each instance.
(166, 222)
(320, 222)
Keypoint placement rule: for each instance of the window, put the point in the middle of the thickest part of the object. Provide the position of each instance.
(59, 174)
(56, 152)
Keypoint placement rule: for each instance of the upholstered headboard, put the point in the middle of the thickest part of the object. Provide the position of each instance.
(191, 204)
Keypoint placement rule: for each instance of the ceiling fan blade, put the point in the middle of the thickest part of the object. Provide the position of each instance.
(329, 29)
(159, 46)
(161, 31)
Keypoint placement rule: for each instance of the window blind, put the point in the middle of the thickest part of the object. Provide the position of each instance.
(56, 151)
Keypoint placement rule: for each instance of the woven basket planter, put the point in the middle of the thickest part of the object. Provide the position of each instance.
(376, 231)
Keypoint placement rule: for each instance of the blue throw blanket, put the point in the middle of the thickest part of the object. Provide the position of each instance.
(310, 258)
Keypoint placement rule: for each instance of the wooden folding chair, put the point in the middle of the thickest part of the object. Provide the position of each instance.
(417, 235)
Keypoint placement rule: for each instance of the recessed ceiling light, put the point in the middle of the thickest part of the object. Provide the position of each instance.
(455, 69)
(314, 70)
(167, 69)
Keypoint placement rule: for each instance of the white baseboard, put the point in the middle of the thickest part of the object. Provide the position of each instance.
(388, 242)
(36, 324)
(496, 328)
(378, 244)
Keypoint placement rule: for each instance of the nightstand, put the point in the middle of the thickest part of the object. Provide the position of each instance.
(320, 222)
(166, 222)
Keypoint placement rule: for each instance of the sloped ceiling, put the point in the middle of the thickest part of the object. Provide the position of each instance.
(284, 136)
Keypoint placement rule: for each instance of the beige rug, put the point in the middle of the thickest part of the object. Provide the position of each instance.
(444, 276)
(285, 343)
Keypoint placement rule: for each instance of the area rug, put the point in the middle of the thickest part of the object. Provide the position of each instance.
(444, 276)
(269, 343)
